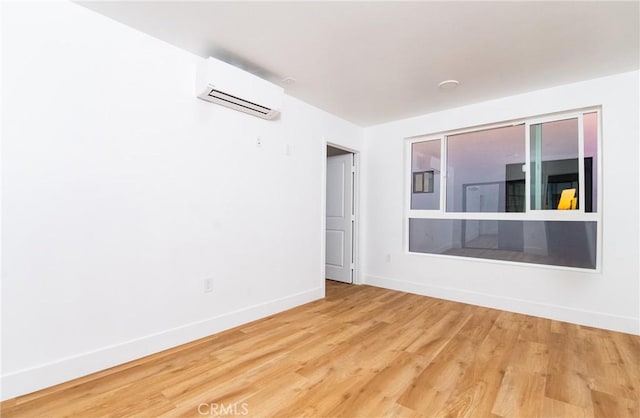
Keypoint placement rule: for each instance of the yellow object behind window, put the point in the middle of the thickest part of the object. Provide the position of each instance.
(568, 200)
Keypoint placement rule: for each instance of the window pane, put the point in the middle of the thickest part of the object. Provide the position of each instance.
(559, 243)
(554, 165)
(590, 122)
(484, 171)
(425, 175)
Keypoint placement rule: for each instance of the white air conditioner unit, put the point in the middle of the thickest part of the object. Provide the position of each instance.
(226, 85)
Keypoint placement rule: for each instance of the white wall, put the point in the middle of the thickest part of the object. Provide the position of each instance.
(610, 299)
(122, 192)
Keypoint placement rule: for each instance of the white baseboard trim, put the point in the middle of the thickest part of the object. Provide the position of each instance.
(42, 376)
(602, 320)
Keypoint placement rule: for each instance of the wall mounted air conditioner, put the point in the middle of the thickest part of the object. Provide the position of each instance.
(226, 85)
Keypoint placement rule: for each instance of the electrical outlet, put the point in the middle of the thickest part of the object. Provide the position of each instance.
(208, 285)
(258, 141)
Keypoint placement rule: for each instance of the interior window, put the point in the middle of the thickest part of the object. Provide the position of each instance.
(425, 174)
(590, 124)
(423, 182)
(484, 170)
(554, 165)
(524, 192)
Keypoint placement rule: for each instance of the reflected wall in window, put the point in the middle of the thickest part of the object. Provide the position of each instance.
(477, 180)
(559, 243)
(425, 158)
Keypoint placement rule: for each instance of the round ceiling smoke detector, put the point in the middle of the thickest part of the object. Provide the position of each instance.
(288, 81)
(449, 84)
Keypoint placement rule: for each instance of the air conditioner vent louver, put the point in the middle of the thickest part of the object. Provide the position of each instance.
(236, 101)
(226, 85)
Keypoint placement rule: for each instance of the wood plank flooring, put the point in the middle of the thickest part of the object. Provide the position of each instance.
(369, 352)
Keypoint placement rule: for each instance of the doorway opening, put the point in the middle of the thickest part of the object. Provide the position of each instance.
(341, 222)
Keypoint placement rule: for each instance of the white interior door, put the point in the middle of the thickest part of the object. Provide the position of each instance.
(339, 229)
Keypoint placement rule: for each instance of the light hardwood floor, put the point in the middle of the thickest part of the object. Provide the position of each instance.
(369, 352)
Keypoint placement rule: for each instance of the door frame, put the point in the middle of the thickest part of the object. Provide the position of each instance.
(356, 210)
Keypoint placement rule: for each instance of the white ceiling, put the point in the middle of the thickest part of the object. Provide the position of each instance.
(373, 62)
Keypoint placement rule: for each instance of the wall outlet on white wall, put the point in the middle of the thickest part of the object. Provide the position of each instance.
(208, 285)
